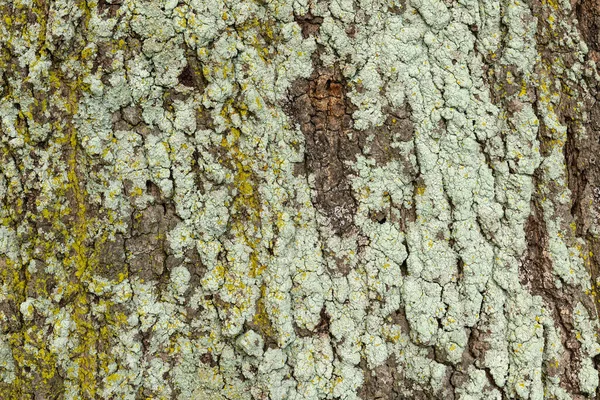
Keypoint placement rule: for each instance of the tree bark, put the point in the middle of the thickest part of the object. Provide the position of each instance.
(299, 199)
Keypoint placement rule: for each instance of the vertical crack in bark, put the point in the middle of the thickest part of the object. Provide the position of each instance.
(579, 149)
(584, 166)
(537, 276)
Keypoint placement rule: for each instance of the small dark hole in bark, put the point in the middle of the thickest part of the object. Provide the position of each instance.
(153, 189)
(207, 358)
(460, 266)
(186, 77)
(102, 5)
(404, 268)
(454, 62)
(378, 217)
(323, 326)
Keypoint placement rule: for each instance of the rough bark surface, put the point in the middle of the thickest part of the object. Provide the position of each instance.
(299, 199)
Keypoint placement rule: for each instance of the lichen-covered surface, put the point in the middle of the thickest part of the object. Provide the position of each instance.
(299, 199)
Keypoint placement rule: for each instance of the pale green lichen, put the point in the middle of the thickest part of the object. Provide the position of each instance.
(476, 387)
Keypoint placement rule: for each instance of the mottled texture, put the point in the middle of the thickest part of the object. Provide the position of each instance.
(294, 199)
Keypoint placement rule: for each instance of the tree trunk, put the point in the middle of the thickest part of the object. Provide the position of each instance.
(299, 199)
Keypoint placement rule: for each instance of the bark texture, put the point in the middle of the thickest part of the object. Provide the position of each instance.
(299, 199)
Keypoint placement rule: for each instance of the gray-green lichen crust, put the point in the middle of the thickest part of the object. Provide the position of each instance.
(293, 199)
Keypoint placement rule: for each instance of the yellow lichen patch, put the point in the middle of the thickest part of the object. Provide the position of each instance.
(70, 221)
(551, 3)
(523, 91)
(261, 318)
(79, 261)
(34, 354)
(243, 182)
(256, 269)
(246, 205)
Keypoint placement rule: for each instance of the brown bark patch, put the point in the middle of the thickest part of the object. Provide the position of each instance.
(191, 75)
(321, 107)
(109, 8)
(381, 383)
(536, 274)
(588, 15)
(323, 111)
(147, 248)
(309, 24)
